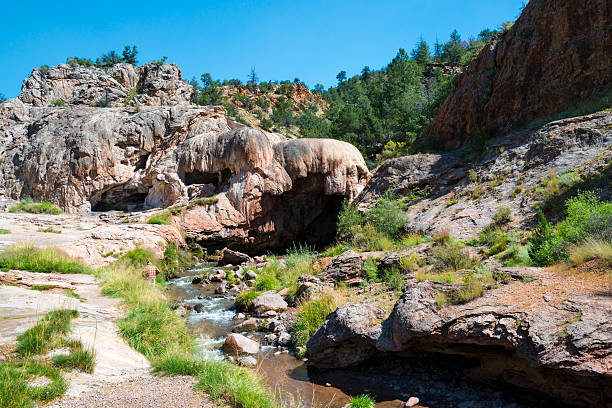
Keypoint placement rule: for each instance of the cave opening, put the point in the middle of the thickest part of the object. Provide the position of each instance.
(217, 179)
(119, 199)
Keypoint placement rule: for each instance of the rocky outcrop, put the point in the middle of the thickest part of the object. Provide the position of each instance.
(556, 55)
(248, 189)
(157, 84)
(348, 336)
(558, 342)
(459, 192)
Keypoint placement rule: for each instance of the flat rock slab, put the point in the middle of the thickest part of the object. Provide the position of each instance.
(116, 362)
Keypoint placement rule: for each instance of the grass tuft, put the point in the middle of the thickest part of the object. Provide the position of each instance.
(28, 205)
(15, 390)
(362, 401)
(312, 314)
(49, 229)
(4, 231)
(163, 218)
(46, 334)
(44, 260)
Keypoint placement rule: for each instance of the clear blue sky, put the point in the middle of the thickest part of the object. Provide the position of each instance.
(282, 39)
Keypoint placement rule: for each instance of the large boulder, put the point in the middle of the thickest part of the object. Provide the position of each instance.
(346, 267)
(269, 301)
(234, 257)
(555, 56)
(347, 338)
(238, 344)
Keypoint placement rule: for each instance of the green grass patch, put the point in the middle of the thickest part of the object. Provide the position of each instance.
(335, 250)
(78, 359)
(44, 260)
(244, 301)
(311, 315)
(28, 205)
(47, 333)
(42, 287)
(17, 392)
(163, 218)
(4, 231)
(50, 230)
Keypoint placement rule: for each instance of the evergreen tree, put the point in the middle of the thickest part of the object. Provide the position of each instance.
(341, 77)
(2, 98)
(129, 55)
(454, 50)
(421, 53)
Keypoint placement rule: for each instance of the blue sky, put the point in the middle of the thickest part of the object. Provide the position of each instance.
(282, 39)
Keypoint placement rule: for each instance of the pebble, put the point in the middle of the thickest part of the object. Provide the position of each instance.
(412, 401)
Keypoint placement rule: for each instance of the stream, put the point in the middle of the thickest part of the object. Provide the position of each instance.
(392, 381)
(285, 374)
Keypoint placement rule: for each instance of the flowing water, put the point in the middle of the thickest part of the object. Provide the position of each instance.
(286, 375)
(390, 381)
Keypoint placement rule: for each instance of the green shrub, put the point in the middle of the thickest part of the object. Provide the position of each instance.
(370, 266)
(28, 258)
(28, 205)
(335, 250)
(587, 217)
(348, 219)
(59, 103)
(175, 260)
(362, 401)
(450, 256)
(266, 281)
(368, 238)
(244, 301)
(137, 257)
(502, 216)
(394, 279)
(4, 231)
(387, 215)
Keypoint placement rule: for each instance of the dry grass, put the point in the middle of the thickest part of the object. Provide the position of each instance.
(591, 249)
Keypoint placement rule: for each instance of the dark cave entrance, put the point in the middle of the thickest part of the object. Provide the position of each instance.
(119, 199)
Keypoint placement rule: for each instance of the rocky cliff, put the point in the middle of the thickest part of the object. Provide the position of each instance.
(555, 57)
(149, 148)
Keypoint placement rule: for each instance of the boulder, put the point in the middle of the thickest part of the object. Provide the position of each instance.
(221, 289)
(198, 307)
(233, 257)
(346, 267)
(247, 325)
(348, 336)
(269, 302)
(284, 339)
(238, 344)
(247, 361)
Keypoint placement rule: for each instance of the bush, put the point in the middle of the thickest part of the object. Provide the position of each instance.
(175, 260)
(450, 256)
(371, 269)
(587, 217)
(348, 219)
(394, 279)
(387, 216)
(28, 205)
(137, 257)
(266, 281)
(502, 216)
(368, 238)
(59, 103)
(335, 250)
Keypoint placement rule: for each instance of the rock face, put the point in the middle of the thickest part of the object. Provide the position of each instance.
(555, 56)
(348, 337)
(461, 194)
(156, 84)
(558, 342)
(258, 190)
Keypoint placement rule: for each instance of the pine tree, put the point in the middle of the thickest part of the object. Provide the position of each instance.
(253, 78)
(341, 77)
(421, 53)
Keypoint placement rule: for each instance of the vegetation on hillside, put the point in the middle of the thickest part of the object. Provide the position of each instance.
(28, 205)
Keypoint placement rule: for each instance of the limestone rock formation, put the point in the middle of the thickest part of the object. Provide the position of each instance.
(346, 268)
(154, 83)
(248, 189)
(555, 56)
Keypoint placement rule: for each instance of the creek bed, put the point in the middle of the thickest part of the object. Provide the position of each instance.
(389, 379)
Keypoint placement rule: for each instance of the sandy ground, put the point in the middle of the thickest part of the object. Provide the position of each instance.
(121, 375)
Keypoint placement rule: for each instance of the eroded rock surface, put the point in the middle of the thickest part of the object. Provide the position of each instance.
(551, 335)
(556, 55)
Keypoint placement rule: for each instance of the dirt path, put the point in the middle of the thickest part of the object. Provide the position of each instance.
(121, 375)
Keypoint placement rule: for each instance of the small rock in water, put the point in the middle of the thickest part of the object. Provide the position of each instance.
(247, 325)
(239, 316)
(412, 401)
(284, 339)
(198, 307)
(196, 280)
(271, 338)
(221, 289)
(238, 344)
